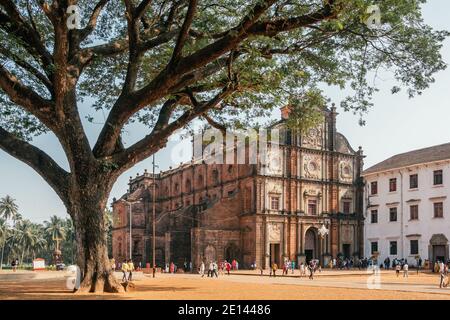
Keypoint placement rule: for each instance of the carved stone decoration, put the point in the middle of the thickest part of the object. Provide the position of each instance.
(313, 139)
(273, 164)
(274, 232)
(438, 239)
(311, 166)
(312, 193)
(346, 171)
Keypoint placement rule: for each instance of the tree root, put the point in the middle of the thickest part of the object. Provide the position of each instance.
(104, 283)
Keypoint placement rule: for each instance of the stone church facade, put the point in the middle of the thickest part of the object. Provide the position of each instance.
(251, 212)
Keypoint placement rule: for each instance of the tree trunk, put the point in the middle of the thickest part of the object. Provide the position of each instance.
(92, 250)
(3, 250)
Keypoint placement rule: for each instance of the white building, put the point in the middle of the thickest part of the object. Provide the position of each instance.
(407, 206)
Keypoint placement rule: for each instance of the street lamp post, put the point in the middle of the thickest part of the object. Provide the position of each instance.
(154, 219)
(131, 229)
(323, 232)
(130, 203)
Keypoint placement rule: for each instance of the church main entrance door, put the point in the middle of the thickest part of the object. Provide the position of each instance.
(275, 254)
(439, 253)
(310, 245)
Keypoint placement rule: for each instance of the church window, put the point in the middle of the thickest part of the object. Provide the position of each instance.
(437, 177)
(413, 181)
(374, 216)
(275, 202)
(374, 247)
(414, 212)
(374, 188)
(414, 246)
(247, 199)
(393, 248)
(312, 207)
(393, 185)
(393, 214)
(438, 210)
(188, 185)
(346, 206)
(215, 175)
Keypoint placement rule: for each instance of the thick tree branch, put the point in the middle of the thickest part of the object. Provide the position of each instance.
(31, 41)
(142, 8)
(184, 32)
(27, 98)
(166, 82)
(43, 164)
(27, 67)
(215, 124)
(159, 136)
(86, 31)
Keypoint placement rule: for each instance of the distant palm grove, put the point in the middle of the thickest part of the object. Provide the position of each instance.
(24, 240)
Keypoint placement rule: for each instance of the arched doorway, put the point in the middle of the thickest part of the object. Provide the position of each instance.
(210, 254)
(438, 249)
(311, 244)
(231, 252)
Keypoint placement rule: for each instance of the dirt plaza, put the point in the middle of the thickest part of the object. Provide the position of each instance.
(328, 285)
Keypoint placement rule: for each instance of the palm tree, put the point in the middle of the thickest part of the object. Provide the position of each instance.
(39, 242)
(4, 233)
(8, 208)
(55, 230)
(26, 237)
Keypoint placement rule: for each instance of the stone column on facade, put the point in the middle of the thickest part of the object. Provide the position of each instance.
(167, 243)
(258, 196)
(285, 238)
(266, 244)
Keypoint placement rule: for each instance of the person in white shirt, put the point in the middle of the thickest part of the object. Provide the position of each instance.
(405, 270)
(202, 269)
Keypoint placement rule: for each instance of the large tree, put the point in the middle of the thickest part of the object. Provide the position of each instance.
(167, 63)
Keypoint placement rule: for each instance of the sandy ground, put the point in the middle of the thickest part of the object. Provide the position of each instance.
(327, 286)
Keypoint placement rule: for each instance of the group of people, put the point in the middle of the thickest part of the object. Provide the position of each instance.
(212, 268)
(127, 270)
(312, 266)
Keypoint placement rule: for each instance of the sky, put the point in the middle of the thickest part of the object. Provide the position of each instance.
(394, 125)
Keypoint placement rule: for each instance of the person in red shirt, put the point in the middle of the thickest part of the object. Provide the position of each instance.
(227, 267)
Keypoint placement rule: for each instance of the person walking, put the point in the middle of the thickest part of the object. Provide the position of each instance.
(311, 270)
(125, 271)
(113, 264)
(397, 269)
(405, 270)
(202, 269)
(13, 265)
(130, 270)
(215, 270)
(210, 269)
(227, 267)
(302, 270)
(443, 274)
(274, 269)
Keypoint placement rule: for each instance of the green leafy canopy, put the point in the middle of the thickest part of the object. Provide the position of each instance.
(271, 70)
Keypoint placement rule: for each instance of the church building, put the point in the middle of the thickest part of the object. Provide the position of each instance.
(307, 206)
